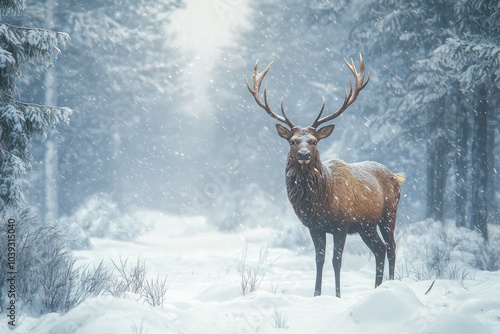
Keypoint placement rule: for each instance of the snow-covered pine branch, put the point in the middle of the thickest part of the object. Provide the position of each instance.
(20, 46)
(11, 6)
(20, 121)
(474, 62)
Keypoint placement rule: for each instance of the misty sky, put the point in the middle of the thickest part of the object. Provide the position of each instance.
(202, 29)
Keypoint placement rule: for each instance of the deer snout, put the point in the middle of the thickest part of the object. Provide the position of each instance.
(303, 156)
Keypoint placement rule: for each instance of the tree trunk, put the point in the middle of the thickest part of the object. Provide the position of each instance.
(438, 164)
(493, 177)
(461, 169)
(116, 150)
(443, 164)
(479, 194)
(51, 149)
(51, 173)
(431, 179)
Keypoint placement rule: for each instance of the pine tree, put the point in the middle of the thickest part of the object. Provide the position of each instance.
(471, 56)
(20, 121)
(443, 77)
(417, 97)
(122, 72)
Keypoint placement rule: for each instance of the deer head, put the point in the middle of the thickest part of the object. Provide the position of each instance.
(303, 140)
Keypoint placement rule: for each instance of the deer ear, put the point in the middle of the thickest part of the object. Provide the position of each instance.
(284, 132)
(325, 131)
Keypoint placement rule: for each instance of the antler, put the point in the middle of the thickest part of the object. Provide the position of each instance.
(350, 97)
(257, 80)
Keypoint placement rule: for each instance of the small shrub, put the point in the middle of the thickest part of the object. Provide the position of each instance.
(295, 237)
(252, 277)
(139, 329)
(130, 278)
(47, 278)
(100, 217)
(433, 250)
(280, 321)
(250, 280)
(154, 291)
(487, 254)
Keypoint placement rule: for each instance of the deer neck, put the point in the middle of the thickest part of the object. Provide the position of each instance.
(307, 188)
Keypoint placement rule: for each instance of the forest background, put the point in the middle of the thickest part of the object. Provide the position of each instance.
(156, 125)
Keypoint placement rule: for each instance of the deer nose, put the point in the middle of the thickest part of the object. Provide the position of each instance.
(303, 155)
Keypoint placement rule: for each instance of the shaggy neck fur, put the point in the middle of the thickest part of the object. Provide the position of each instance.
(306, 186)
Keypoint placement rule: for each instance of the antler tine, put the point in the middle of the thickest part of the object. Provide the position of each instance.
(349, 97)
(321, 111)
(257, 81)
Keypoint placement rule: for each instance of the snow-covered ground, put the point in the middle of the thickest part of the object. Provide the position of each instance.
(204, 296)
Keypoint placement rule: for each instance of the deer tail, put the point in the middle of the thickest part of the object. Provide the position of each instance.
(400, 177)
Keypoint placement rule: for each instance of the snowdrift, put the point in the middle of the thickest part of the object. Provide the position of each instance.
(205, 295)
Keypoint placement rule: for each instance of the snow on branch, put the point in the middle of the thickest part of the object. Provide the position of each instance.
(31, 116)
(476, 62)
(14, 6)
(20, 46)
(34, 43)
(18, 123)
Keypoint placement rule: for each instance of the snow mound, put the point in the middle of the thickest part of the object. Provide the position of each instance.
(111, 315)
(457, 324)
(204, 294)
(388, 303)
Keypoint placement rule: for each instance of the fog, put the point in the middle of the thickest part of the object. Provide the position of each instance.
(127, 132)
(163, 120)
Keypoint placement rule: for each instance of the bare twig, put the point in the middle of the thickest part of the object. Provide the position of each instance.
(154, 291)
(430, 287)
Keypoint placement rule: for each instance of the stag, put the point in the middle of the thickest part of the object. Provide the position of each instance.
(335, 197)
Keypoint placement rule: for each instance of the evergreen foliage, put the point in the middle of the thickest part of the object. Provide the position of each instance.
(121, 71)
(443, 79)
(11, 6)
(20, 121)
(433, 65)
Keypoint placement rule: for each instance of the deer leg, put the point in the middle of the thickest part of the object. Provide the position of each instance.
(387, 231)
(319, 240)
(372, 239)
(338, 250)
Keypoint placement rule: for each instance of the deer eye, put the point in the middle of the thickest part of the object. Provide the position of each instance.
(314, 142)
(292, 142)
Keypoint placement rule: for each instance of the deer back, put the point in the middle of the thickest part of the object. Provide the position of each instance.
(361, 192)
